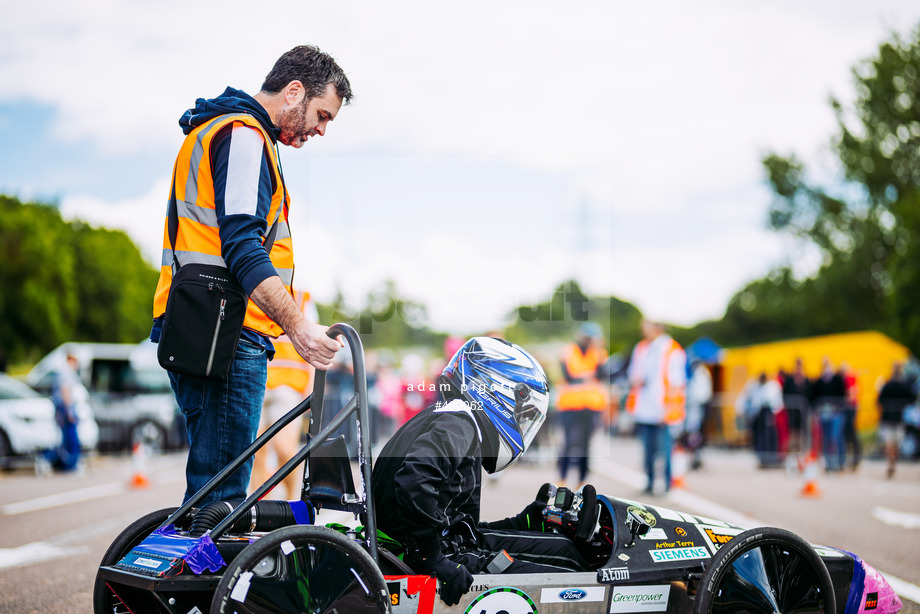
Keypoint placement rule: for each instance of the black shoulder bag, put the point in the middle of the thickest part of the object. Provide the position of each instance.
(204, 315)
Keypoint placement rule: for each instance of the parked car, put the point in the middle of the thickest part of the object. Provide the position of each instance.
(128, 390)
(27, 424)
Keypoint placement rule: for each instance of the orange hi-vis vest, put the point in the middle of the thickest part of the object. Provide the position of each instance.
(675, 397)
(198, 239)
(287, 368)
(590, 394)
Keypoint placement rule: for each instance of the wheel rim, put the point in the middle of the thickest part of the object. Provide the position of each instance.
(312, 577)
(770, 579)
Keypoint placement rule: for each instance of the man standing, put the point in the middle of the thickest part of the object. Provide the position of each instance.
(229, 191)
(658, 382)
(894, 397)
(582, 398)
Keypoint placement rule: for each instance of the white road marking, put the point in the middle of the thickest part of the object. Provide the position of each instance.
(896, 518)
(636, 479)
(107, 489)
(59, 546)
(36, 552)
(99, 491)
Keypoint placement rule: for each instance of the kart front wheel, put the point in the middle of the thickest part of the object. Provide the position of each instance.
(765, 571)
(105, 601)
(301, 569)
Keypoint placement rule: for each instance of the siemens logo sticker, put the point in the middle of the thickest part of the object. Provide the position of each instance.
(581, 594)
(640, 598)
(679, 554)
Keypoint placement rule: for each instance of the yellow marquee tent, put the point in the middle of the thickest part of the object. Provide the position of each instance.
(869, 355)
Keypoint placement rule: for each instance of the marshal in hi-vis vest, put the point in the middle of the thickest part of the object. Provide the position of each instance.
(590, 394)
(674, 400)
(197, 239)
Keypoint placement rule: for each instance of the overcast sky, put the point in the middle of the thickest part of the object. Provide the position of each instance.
(493, 150)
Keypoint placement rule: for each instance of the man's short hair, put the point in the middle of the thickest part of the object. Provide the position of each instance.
(313, 68)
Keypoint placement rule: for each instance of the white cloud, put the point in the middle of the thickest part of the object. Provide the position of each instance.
(654, 113)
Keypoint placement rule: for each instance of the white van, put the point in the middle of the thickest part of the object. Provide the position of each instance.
(129, 393)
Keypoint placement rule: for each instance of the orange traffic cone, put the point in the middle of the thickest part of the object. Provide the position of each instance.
(139, 477)
(679, 467)
(810, 471)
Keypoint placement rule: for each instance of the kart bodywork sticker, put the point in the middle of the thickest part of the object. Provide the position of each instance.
(716, 536)
(679, 554)
(412, 594)
(580, 594)
(651, 598)
(503, 599)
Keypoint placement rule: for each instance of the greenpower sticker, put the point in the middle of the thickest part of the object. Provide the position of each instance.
(640, 598)
(504, 599)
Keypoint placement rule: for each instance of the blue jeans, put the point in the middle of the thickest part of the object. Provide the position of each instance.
(656, 441)
(222, 417)
(832, 440)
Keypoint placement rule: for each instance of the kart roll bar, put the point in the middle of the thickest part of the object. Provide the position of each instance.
(358, 402)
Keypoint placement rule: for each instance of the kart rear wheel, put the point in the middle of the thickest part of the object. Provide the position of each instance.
(301, 569)
(104, 600)
(766, 570)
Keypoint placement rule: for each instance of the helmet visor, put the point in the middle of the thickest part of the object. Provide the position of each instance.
(529, 413)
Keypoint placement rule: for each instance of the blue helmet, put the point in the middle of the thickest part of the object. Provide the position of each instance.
(508, 391)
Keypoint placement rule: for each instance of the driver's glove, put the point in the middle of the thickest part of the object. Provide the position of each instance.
(455, 578)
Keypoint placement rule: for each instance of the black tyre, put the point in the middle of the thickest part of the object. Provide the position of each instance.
(104, 600)
(301, 569)
(768, 571)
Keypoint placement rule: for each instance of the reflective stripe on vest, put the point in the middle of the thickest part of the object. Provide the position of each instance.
(197, 236)
(674, 401)
(287, 368)
(588, 395)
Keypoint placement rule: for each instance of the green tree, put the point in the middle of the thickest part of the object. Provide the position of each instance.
(116, 286)
(66, 281)
(559, 317)
(38, 302)
(867, 224)
(387, 320)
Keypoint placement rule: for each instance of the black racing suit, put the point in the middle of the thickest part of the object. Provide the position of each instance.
(426, 484)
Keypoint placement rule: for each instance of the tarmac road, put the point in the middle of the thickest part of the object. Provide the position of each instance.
(55, 529)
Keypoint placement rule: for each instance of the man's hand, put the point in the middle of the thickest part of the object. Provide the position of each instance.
(455, 578)
(309, 339)
(313, 344)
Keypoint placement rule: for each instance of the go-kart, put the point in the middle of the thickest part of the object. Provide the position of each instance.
(263, 556)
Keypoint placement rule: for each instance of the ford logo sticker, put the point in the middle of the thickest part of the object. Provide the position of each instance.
(572, 594)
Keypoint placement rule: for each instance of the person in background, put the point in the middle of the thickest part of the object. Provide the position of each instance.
(289, 381)
(699, 398)
(852, 447)
(828, 395)
(657, 397)
(583, 397)
(760, 401)
(894, 397)
(66, 392)
(796, 395)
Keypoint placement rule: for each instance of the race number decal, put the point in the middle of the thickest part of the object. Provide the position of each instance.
(503, 600)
